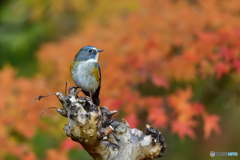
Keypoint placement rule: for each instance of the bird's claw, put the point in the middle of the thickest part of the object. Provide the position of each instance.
(73, 89)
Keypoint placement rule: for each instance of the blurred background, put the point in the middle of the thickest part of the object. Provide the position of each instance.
(173, 64)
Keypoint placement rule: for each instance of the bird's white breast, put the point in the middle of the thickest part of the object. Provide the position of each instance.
(83, 76)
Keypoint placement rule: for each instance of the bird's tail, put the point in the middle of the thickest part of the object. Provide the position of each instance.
(95, 100)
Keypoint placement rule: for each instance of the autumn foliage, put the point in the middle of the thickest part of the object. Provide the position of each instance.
(160, 43)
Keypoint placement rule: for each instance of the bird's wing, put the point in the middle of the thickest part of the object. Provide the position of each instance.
(98, 77)
(97, 73)
(96, 94)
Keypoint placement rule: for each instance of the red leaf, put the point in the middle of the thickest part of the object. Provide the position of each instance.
(221, 69)
(132, 120)
(198, 108)
(226, 53)
(29, 156)
(68, 144)
(160, 82)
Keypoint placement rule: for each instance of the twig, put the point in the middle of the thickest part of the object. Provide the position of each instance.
(40, 97)
(47, 110)
(66, 87)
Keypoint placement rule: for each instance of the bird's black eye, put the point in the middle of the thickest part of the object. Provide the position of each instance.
(90, 50)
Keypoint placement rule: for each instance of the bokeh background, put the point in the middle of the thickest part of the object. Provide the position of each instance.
(173, 64)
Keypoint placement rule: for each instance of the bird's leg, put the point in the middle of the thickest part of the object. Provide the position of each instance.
(92, 93)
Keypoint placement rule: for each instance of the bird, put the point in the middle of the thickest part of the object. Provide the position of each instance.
(86, 72)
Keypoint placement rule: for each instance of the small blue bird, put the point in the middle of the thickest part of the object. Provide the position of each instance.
(86, 72)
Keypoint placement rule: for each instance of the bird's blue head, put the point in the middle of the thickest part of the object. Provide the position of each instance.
(88, 52)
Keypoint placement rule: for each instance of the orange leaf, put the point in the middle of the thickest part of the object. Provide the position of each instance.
(179, 101)
(210, 124)
(158, 116)
(184, 128)
(54, 154)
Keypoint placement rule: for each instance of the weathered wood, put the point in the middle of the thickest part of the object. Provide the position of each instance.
(105, 138)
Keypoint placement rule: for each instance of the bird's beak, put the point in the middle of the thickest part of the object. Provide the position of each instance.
(100, 50)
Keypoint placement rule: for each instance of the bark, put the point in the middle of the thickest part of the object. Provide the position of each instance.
(105, 138)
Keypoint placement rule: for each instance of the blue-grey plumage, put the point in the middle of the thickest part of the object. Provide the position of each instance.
(86, 72)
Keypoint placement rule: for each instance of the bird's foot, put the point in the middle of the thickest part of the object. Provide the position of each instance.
(75, 90)
(87, 98)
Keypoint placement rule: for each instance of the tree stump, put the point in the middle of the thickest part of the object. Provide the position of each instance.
(105, 138)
